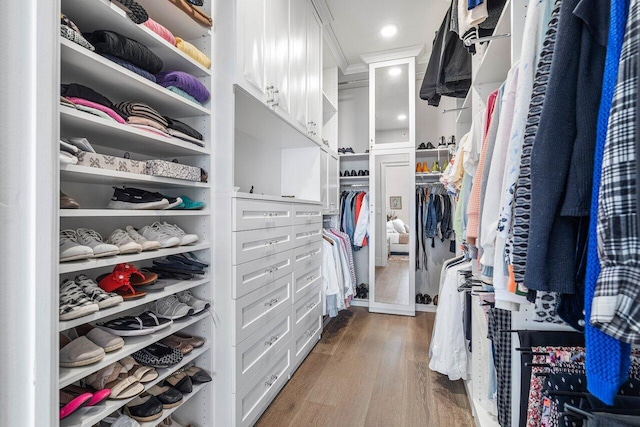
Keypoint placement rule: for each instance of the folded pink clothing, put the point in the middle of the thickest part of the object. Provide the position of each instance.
(160, 30)
(80, 101)
(136, 120)
(150, 130)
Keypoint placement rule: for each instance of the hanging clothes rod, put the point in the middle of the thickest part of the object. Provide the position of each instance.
(355, 185)
(469, 42)
(451, 110)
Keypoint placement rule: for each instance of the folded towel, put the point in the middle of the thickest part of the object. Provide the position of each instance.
(129, 66)
(161, 31)
(136, 120)
(111, 43)
(184, 81)
(139, 109)
(183, 94)
(111, 113)
(194, 13)
(182, 127)
(193, 52)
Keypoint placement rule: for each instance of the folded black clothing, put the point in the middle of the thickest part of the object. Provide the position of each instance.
(139, 109)
(79, 91)
(129, 66)
(111, 43)
(183, 127)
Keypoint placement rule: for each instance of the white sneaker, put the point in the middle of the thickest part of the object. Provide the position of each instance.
(171, 308)
(147, 245)
(93, 239)
(198, 305)
(124, 242)
(175, 231)
(157, 233)
(73, 302)
(70, 249)
(96, 294)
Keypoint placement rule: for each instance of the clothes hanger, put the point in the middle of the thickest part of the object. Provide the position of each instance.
(328, 240)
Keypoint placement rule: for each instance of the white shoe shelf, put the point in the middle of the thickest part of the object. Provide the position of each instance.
(89, 416)
(91, 186)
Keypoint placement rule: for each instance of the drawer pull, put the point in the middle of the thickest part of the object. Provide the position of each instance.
(271, 340)
(311, 278)
(272, 302)
(311, 305)
(271, 380)
(311, 333)
(270, 270)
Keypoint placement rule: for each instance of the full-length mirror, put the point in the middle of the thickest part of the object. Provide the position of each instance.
(393, 105)
(393, 204)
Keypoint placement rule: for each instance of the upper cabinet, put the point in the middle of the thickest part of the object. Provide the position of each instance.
(279, 56)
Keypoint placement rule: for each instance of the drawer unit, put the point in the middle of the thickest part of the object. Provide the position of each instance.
(306, 335)
(259, 307)
(307, 214)
(304, 256)
(306, 234)
(254, 244)
(255, 214)
(257, 394)
(253, 275)
(304, 279)
(255, 353)
(306, 303)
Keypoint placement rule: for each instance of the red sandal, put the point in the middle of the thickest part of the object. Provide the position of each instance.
(118, 281)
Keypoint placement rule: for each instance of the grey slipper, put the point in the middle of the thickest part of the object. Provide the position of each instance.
(80, 352)
(104, 339)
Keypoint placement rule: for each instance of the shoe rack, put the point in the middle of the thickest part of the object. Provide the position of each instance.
(92, 188)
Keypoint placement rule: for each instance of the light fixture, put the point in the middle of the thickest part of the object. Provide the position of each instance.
(395, 71)
(389, 30)
(402, 117)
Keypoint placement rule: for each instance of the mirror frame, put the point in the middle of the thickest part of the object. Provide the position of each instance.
(373, 67)
(381, 307)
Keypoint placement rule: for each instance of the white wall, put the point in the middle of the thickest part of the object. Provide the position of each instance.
(431, 124)
(353, 118)
(398, 184)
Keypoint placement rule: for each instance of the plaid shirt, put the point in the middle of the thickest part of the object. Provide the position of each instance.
(616, 306)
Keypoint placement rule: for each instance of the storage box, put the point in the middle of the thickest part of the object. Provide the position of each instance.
(173, 170)
(104, 161)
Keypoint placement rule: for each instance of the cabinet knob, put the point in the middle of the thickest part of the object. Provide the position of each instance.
(275, 104)
(275, 91)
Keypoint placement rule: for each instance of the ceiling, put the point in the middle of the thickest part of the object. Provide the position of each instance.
(353, 27)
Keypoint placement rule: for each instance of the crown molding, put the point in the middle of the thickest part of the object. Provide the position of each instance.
(356, 69)
(391, 54)
(329, 36)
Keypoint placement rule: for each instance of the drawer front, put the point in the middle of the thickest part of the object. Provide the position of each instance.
(307, 303)
(255, 214)
(306, 335)
(254, 244)
(256, 396)
(307, 214)
(306, 234)
(306, 255)
(255, 353)
(304, 279)
(259, 307)
(255, 274)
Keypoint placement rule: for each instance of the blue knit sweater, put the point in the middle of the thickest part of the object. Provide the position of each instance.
(608, 360)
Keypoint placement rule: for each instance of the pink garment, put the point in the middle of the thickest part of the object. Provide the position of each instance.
(135, 120)
(491, 104)
(161, 31)
(80, 101)
(150, 130)
(473, 208)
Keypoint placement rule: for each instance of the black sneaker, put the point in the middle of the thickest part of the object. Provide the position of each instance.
(430, 146)
(360, 172)
(366, 172)
(341, 150)
(346, 173)
(349, 150)
(354, 173)
(133, 198)
(422, 146)
(173, 201)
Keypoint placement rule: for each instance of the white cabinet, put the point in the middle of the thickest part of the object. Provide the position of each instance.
(324, 180)
(279, 54)
(314, 74)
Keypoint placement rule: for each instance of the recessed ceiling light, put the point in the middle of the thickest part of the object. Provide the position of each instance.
(402, 117)
(389, 30)
(395, 71)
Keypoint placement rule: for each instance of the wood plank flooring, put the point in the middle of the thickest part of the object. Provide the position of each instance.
(371, 370)
(392, 282)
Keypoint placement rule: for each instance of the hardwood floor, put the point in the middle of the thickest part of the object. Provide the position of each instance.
(370, 370)
(392, 282)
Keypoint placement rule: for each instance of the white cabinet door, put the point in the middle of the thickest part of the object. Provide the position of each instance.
(332, 175)
(314, 73)
(252, 46)
(278, 63)
(324, 180)
(298, 54)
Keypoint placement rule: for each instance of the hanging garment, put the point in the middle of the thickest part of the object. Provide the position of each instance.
(615, 309)
(330, 279)
(362, 224)
(499, 327)
(448, 351)
(607, 358)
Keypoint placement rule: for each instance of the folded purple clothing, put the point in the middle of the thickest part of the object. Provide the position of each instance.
(184, 81)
